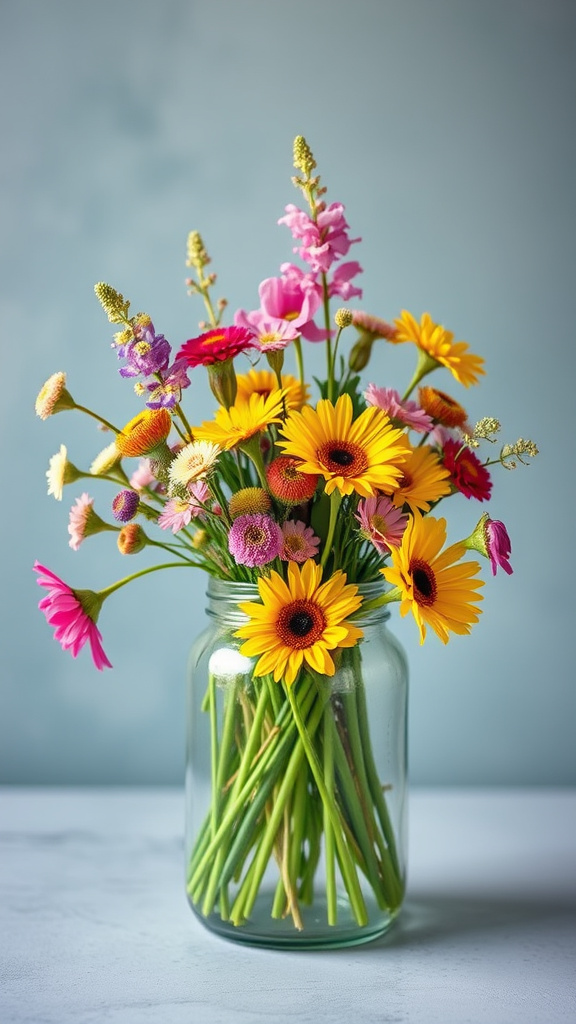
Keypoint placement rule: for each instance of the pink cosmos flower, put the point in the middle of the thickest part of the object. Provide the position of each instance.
(80, 515)
(73, 614)
(408, 413)
(498, 545)
(300, 542)
(255, 539)
(270, 335)
(324, 240)
(284, 300)
(381, 522)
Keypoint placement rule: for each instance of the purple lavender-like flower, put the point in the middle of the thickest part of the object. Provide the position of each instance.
(125, 505)
(255, 539)
(166, 393)
(145, 353)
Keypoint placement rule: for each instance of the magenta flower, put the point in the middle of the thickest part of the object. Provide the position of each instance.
(285, 300)
(498, 545)
(255, 539)
(73, 613)
(300, 541)
(408, 413)
(381, 522)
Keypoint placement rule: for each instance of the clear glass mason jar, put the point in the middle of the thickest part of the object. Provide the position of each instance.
(296, 796)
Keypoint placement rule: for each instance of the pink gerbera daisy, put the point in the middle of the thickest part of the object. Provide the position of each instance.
(381, 522)
(73, 613)
(215, 346)
(300, 542)
(408, 413)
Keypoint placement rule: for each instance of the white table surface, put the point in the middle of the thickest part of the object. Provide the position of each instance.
(96, 928)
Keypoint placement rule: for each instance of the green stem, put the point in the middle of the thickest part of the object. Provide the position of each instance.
(335, 499)
(95, 416)
(143, 572)
(329, 841)
(346, 863)
(299, 361)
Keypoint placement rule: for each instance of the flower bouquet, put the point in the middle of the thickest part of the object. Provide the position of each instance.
(310, 518)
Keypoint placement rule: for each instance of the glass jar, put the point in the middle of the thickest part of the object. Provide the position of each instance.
(296, 796)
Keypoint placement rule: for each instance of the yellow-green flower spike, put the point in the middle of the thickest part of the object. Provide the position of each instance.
(113, 303)
(303, 158)
(196, 253)
(519, 448)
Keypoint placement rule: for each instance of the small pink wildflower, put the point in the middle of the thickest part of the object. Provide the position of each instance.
(80, 515)
(381, 522)
(300, 542)
(142, 476)
(175, 515)
(73, 613)
(408, 413)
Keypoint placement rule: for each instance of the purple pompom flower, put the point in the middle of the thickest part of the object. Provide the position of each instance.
(125, 505)
(255, 539)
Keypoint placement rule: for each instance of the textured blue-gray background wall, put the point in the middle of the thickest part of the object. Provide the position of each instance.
(447, 129)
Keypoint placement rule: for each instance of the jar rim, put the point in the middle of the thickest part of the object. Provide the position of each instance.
(225, 595)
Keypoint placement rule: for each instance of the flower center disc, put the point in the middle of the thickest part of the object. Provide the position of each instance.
(300, 624)
(343, 458)
(424, 582)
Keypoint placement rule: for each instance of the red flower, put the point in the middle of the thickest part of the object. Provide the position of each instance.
(466, 471)
(215, 346)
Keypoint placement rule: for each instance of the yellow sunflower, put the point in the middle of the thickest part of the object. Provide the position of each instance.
(436, 586)
(263, 382)
(242, 420)
(365, 455)
(424, 479)
(439, 344)
(299, 621)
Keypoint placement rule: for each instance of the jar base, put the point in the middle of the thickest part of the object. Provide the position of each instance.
(280, 933)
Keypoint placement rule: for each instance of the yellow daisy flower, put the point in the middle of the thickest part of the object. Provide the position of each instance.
(424, 479)
(242, 420)
(299, 622)
(365, 456)
(436, 586)
(263, 382)
(439, 344)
